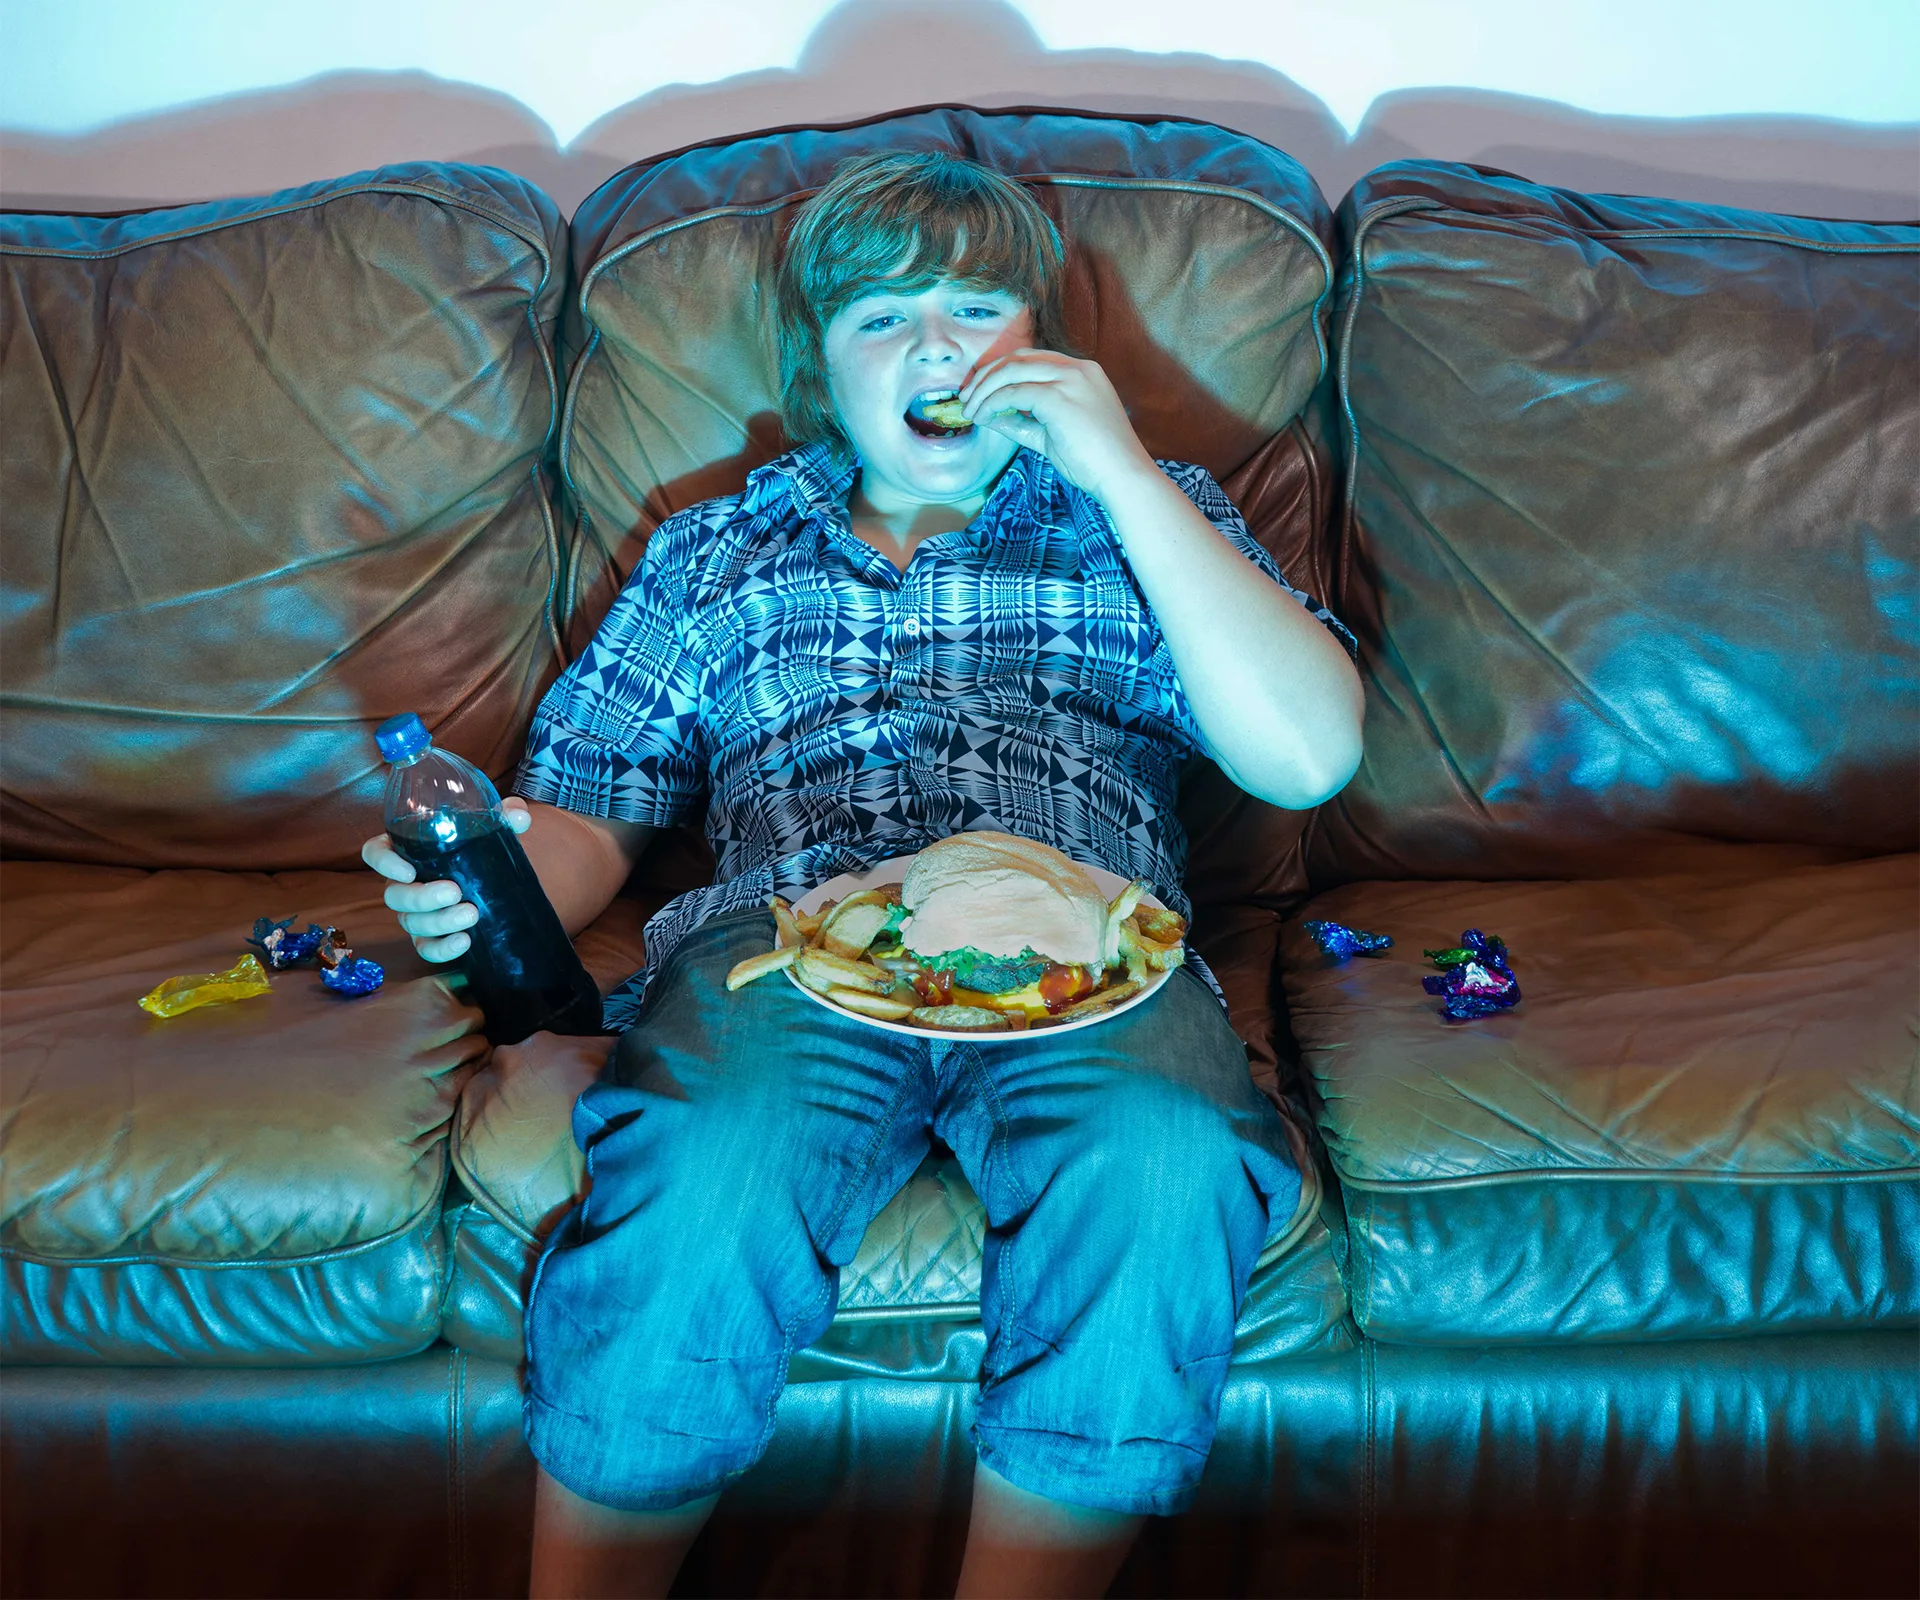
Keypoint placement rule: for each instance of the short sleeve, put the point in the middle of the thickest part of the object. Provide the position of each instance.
(620, 734)
(1199, 486)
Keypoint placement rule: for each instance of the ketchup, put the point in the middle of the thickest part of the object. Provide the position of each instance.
(1061, 985)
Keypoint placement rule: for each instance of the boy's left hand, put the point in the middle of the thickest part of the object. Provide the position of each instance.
(1063, 408)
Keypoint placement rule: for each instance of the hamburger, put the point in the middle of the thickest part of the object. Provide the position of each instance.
(1001, 922)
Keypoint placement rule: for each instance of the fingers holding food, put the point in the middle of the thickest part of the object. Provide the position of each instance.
(775, 960)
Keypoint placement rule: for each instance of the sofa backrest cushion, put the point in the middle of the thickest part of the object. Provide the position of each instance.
(1631, 528)
(1198, 276)
(272, 474)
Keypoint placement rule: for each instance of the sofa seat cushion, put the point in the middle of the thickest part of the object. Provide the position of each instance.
(257, 1183)
(1702, 1119)
(909, 1299)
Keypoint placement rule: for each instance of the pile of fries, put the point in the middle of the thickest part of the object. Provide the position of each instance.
(841, 953)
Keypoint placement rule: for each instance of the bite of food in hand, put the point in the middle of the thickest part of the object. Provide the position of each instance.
(938, 414)
(987, 933)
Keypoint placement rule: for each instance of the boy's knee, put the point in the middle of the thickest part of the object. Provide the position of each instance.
(1161, 1174)
(1156, 1140)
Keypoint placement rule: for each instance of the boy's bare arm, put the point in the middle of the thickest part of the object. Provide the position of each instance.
(582, 861)
(1274, 694)
(1272, 690)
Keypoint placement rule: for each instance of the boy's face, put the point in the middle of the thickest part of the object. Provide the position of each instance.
(886, 349)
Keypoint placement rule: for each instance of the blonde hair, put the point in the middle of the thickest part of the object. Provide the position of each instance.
(905, 222)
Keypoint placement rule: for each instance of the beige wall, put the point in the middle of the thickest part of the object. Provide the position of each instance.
(867, 57)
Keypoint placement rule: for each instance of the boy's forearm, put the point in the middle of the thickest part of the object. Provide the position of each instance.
(1271, 688)
(581, 861)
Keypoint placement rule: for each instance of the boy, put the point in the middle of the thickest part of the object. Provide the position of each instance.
(1080, 621)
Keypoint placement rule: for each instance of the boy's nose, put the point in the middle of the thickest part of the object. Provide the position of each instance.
(934, 343)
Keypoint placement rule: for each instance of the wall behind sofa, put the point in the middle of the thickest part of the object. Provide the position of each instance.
(1778, 104)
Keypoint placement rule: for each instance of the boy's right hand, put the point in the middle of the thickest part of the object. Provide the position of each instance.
(433, 915)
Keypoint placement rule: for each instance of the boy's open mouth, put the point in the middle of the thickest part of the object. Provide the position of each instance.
(937, 415)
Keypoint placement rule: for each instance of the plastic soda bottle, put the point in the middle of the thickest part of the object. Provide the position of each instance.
(443, 816)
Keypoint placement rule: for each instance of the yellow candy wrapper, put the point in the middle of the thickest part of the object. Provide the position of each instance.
(241, 981)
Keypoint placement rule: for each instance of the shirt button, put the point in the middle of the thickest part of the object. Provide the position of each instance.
(912, 626)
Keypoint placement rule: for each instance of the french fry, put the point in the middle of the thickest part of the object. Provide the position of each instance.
(1158, 922)
(969, 1019)
(812, 978)
(809, 922)
(1117, 913)
(786, 930)
(1099, 1001)
(822, 970)
(883, 1006)
(853, 926)
(1156, 955)
(774, 960)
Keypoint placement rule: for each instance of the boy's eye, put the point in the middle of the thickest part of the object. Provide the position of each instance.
(979, 313)
(879, 323)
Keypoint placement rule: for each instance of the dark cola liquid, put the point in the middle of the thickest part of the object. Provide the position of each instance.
(521, 967)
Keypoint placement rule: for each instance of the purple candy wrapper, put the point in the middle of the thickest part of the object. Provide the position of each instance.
(1475, 979)
(353, 976)
(1339, 941)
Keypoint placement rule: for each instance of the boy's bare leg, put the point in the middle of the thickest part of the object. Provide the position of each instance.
(584, 1551)
(1025, 1545)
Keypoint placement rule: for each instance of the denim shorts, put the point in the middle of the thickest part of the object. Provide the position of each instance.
(739, 1144)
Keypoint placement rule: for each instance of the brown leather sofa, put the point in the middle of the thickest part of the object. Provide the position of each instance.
(1614, 1292)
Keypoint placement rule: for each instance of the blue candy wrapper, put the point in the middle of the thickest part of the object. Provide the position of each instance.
(1475, 979)
(342, 971)
(353, 976)
(1339, 941)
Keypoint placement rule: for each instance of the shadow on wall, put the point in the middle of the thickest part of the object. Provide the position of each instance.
(872, 56)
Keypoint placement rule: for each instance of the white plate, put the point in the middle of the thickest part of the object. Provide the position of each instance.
(895, 871)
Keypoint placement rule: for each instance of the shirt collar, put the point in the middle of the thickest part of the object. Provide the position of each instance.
(818, 478)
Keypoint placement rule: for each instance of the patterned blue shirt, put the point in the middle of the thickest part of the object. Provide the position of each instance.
(830, 711)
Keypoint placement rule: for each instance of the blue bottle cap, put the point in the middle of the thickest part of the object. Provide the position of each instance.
(403, 737)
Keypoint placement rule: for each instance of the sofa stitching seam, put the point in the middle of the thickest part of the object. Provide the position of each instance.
(535, 241)
(1664, 1175)
(1369, 1490)
(429, 1215)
